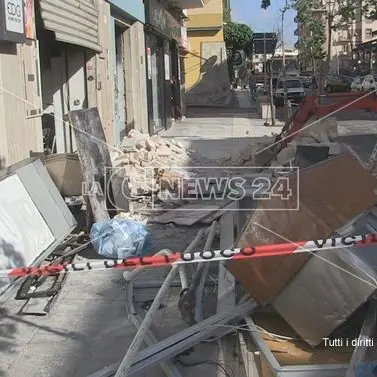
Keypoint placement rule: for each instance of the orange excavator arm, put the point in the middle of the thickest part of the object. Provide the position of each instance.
(311, 107)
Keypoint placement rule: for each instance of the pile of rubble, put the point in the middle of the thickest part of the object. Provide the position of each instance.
(147, 160)
(316, 132)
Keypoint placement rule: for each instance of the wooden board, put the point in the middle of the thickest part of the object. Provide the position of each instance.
(330, 194)
(297, 351)
(95, 162)
(190, 214)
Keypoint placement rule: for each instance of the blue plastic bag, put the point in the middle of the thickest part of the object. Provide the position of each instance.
(120, 238)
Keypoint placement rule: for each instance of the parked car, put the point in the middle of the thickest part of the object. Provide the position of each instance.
(357, 83)
(335, 84)
(306, 80)
(347, 79)
(369, 83)
(295, 91)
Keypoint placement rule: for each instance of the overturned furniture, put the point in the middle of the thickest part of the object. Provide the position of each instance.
(328, 200)
(34, 221)
(286, 355)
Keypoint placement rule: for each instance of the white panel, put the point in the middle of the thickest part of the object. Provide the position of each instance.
(24, 234)
(21, 225)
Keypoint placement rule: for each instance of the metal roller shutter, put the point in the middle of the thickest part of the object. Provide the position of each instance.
(72, 21)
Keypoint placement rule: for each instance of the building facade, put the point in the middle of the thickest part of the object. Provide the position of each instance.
(123, 56)
(126, 44)
(352, 45)
(163, 38)
(20, 92)
(45, 50)
(206, 69)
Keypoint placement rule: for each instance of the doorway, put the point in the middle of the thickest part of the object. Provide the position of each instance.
(156, 83)
(120, 115)
(63, 81)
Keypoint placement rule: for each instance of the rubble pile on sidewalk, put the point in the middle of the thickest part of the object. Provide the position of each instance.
(319, 134)
(145, 161)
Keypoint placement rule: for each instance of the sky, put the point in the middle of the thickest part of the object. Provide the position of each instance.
(250, 13)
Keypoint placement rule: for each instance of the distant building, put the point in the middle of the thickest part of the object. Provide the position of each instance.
(259, 62)
(206, 68)
(352, 44)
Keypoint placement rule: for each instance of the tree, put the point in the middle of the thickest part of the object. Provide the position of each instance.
(331, 15)
(237, 36)
(226, 14)
(311, 47)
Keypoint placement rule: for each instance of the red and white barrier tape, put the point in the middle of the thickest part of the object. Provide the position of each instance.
(196, 257)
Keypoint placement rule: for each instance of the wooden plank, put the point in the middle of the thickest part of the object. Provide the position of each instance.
(295, 351)
(95, 161)
(248, 356)
(190, 213)
(215, 215)
(328, 198)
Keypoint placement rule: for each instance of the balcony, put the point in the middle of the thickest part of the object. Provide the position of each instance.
(204, 22)
(189, 4)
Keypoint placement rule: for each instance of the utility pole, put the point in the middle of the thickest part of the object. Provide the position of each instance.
(284, 70)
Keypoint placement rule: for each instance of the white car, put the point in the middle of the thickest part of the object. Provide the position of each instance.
(369, 83)
(295, 91)
(357, 83)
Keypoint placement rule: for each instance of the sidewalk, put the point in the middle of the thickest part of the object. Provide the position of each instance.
(214, 132)
(87, 328)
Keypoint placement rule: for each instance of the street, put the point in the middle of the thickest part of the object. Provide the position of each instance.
(88, 328)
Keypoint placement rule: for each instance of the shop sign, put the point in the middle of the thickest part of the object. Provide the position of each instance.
(29, 19)
(184, 40)
(149, 63)
(162, 20)
(14, 16)
(167, 67)
(12, 20)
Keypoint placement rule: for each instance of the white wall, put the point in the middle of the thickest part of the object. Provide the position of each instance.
(20, 123)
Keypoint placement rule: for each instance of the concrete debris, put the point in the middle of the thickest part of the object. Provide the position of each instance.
(287, 154)
(316, 127)
(133, 216)
(334, 149)
(146, 162)
(248, 156)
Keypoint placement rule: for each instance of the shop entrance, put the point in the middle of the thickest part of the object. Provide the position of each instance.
(156, 83)
(120, 121)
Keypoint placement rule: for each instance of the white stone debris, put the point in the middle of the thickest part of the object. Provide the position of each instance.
(143, 158)
(315, 131)
(134, 216)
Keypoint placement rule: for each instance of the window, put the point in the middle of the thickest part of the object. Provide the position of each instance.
(368, 33)
(290, 84)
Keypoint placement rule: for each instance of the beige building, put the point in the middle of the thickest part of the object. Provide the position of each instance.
(63, 57)
(206, 69)
(344, 41)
